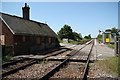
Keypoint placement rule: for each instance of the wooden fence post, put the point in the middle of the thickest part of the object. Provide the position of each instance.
(119, 47)
(116, 45)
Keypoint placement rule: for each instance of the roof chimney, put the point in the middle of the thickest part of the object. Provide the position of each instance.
(26, 11)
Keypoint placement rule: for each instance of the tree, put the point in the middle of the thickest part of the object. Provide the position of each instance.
(113, 30)
(77, 36)
(66, 32)
(88, 37)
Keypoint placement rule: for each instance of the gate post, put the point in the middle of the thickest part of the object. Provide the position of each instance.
(119, 46)
(116, 45)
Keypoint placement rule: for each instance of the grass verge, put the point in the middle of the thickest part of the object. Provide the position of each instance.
(83, 41)
(79, 42)
(111, 46)
(110, 65)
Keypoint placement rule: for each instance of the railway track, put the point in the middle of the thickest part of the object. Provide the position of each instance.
(50, 70)
(66, 61)
(86, 69)
(15, 65)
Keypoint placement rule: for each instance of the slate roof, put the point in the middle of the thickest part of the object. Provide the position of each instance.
(20, 26)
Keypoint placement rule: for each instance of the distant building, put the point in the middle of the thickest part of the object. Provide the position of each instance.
(108, 37)
(65, 40)
(25, 36)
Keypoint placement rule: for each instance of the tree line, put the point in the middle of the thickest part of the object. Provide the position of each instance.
(66, 32)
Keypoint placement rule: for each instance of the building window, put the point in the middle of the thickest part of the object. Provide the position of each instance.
(23, 39)
(2, 39)
(50, 40)
(38, 40)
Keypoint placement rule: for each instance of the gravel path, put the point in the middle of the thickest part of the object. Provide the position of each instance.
(101, 51)
(72, 70)
(34, 71)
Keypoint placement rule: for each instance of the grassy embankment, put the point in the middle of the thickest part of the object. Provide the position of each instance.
(110, 65)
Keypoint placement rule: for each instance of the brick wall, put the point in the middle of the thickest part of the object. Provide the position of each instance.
(32, 44)
(8, 35)
(7, 48)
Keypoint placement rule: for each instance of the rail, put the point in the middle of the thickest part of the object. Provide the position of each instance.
(55, 69)
(33, 61)
(85, 73)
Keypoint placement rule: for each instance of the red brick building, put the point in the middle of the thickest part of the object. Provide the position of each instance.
(26, 36)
